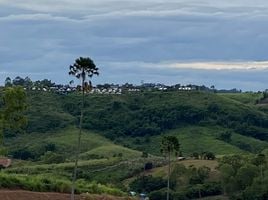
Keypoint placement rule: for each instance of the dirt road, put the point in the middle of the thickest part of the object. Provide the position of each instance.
(26, 195)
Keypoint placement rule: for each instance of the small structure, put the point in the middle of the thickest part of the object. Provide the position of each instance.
(5, 162)
(132, 193)
(143, 196)
(181, 158)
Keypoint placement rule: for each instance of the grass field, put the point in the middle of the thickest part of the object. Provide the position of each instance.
(200, 139)
(220, 197)
(65, 141)
(245, 98)
(162, 171)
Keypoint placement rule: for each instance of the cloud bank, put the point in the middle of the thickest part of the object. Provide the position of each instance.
(169, 41)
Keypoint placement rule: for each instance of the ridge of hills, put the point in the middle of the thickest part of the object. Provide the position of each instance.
(137, 121)
(119, 129)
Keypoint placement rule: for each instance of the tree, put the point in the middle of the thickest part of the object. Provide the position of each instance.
(169, 144)
(227, 172)
(82, 69)
(245, 175)
(18, 81)
(8, 82)
(260, 160)
(12, 115)
(28, 82)
(225, 136)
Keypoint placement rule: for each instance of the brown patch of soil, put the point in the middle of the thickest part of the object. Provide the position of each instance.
(27, 195)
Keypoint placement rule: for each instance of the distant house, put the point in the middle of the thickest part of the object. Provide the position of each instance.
(181, 158)
(5, 162)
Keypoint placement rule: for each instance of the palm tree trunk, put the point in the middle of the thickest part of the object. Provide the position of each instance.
(168, 179)
(261, 173)
(1, 131)
(78, 142)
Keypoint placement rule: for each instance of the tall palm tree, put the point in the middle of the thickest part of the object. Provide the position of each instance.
(82, 69)
(169, 144)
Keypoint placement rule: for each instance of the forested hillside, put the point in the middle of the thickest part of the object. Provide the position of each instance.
(122, 136)
(150, 113)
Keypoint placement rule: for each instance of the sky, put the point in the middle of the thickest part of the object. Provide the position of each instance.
(203, 42)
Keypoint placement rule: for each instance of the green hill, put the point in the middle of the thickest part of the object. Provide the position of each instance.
(63, 142)
(197, 118)
(118, 129)
(200, 139)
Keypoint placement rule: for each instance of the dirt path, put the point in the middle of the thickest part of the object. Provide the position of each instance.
(26, 195)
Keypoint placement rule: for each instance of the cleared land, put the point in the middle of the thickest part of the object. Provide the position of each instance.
(27, 195)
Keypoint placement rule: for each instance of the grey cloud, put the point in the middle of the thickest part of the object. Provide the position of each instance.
(46, 36)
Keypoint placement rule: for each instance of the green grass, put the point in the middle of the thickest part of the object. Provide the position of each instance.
(192, 139)
(200, 139)
(65, 142)
(253, 145)
(112, 150)
(42, 183)
(245, 98)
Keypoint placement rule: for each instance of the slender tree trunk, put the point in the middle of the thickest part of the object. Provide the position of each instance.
(1, 131)
(261, 174)
(168, 179)
(78, 142)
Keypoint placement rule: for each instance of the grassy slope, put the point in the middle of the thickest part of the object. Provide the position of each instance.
(65, 141)
(245, 98)
(162, 171)
(199, 139)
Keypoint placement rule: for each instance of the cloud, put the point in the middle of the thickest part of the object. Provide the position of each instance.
(221, 65)
(168, 41)
(34, 17)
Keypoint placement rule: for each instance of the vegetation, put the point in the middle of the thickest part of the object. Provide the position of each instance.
(245, 177)
(50, 184)
(12, 114)
(121, 139)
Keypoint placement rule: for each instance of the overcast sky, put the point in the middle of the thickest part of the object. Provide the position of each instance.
(211, 42)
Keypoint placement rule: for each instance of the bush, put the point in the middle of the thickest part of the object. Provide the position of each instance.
(147, 184)
(158, 195)
(148, 165)
(46, 184)
(51, 157)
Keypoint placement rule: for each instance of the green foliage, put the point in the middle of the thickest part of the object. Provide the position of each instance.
(45, 113)
(225, 136)
(12, 114)
(198, 176)
(170, 144)
(31, 147)
(158, 195)
(197, 139)
(53, 184)
(147, 184)
(200, 121)
(245, 177)
(258, 190)
(51, 157)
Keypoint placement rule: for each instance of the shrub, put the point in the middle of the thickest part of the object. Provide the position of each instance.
(147, 184)
(148, 165)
